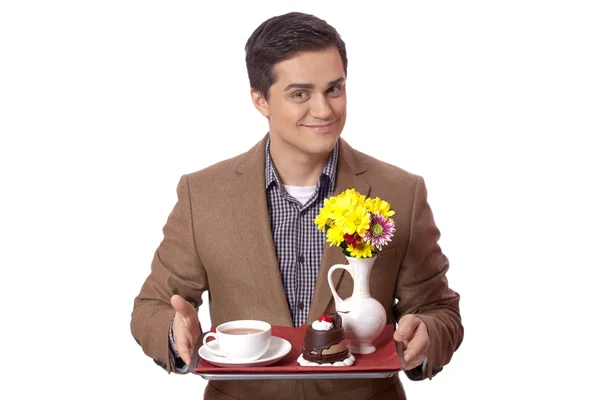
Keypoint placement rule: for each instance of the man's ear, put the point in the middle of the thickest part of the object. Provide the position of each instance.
(260, 102)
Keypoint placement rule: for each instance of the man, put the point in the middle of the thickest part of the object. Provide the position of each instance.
(243, 229)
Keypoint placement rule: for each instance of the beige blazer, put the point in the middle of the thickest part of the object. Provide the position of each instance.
(218, 238)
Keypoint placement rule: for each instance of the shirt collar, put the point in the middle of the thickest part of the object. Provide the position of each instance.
(328, 172)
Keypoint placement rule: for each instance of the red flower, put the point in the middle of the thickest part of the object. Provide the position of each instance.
(352, 240)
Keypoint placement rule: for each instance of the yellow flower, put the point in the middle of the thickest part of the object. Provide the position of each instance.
(335, 236)
(381, 207)
(325, 216)
(355, 221)
(356, 198)
(362, 250)
(323, 219)
(340, 206)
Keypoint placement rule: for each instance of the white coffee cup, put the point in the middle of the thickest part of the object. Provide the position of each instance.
(241, 340)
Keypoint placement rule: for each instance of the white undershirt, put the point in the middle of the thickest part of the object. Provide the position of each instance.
(301, 193)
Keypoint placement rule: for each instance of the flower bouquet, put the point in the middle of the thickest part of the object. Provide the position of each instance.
(360, 226)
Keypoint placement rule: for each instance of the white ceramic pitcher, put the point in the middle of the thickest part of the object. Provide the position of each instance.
(363, 317)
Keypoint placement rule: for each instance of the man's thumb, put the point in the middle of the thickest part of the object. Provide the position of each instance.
(406, 326)
(182, 306)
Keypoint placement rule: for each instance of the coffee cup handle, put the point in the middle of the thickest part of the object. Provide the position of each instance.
(211, 350)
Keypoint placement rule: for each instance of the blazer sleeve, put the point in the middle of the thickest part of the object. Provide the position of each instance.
(176, 269)
(422, 287)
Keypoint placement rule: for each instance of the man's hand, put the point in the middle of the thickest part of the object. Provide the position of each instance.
(412, 333)
(186, 327)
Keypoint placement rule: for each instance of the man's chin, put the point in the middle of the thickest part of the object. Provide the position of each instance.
(321, 146)
(311, 143)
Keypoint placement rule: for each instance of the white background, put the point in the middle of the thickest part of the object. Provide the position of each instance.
(104, 105)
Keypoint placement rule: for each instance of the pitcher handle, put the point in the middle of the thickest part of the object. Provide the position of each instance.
(336, 297)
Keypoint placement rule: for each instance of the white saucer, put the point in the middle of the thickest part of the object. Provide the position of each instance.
(278, 349)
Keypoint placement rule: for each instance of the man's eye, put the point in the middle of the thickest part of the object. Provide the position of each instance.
(335, 89)
(299, 95)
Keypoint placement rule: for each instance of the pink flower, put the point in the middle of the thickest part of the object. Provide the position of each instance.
(380, 231)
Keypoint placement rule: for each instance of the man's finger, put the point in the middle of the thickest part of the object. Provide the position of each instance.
(185, 353)
(417, 348)
(182, 306)
(406, 327)
(412, 363)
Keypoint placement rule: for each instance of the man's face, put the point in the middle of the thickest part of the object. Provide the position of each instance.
(307, 103)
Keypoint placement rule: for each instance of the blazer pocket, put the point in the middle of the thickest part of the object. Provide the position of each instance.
(385, 257)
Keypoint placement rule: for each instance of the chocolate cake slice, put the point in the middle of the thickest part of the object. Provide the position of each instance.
(325, 340)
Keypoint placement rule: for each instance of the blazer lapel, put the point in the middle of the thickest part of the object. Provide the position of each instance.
(347, 177)
(254, 228)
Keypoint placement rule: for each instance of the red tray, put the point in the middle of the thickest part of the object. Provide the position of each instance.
(384, 362)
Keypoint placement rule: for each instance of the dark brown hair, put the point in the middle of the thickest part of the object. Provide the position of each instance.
(281, 37)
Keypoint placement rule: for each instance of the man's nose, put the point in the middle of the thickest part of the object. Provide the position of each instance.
(320, 108)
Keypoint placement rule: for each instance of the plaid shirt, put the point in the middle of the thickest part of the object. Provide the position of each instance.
(298, 242)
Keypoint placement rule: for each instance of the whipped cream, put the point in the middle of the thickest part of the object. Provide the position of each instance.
(322, 325)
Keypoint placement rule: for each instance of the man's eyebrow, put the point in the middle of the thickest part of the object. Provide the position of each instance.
(298, 86)
(338, 80)
(310, 85)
